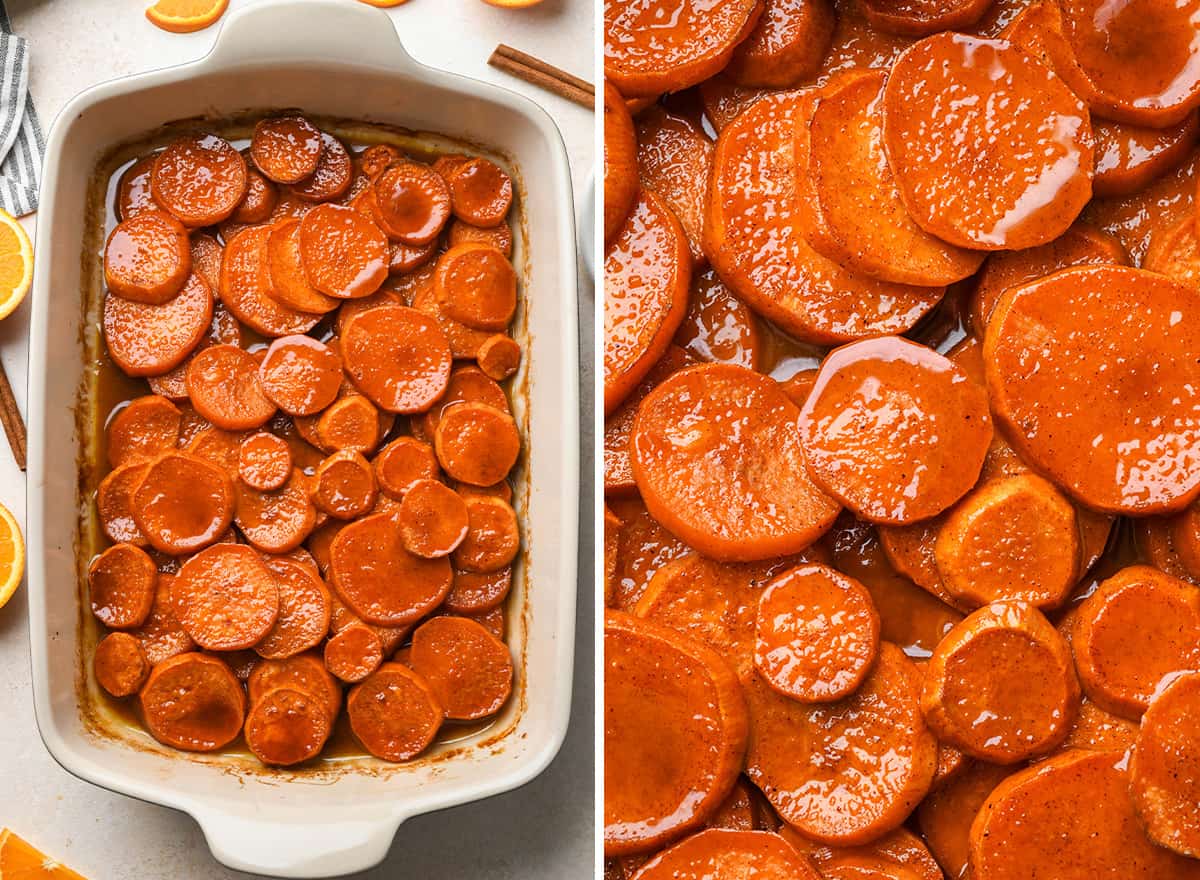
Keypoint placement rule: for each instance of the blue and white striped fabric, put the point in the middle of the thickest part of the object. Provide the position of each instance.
(21, 141)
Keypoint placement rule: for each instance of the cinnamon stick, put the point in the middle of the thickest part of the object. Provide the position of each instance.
(547, 76)
(10, 417)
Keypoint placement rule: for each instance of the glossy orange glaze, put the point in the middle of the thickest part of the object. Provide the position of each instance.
(1165, 766)
(786, 46)
(674, 156)
(718, 326)
(940, 84)
(720, 853)
(1129, 157)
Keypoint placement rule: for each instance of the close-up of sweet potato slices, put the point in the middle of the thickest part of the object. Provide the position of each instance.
(1038, 155)
(620, 162)
(718, 457)
(1081, 390)
(919, 18)
(1163, 774)
(649, 49)
(667, 699)
(647, 268)
(753, 239)
(858, 219)
(786, 46)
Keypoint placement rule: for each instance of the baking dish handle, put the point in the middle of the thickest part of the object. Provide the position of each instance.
(329, 847)
(337, 30)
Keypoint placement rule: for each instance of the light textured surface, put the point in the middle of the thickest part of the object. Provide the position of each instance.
(543, 830)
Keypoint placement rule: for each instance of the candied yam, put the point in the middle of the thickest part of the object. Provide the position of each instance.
(224, 386)
(147, 258)
(300, 375)
(141, 429)
(121, 585)
(149, 340)
(286, 149)
(277, 521)
(397, 356)
(200, 179)
(183, 503)
(193, 702)
(344, 254)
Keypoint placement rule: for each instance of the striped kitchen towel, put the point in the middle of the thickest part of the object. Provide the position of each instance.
(21, 142)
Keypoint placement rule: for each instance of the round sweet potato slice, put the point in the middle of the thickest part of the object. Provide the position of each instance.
(226, 597)
(1012, 538)
(898, 855)
(919, 18)
(286, 148)
(114, 504)
(264, 461)
(647, 53)
(302, 672)
(468, 384)
(476, 592)
(259, 202)
(224, 386)
(343, 485)
(1001, 685)
(476, 443)
(183, 503)
(1081, 390)
(647, 269)
(693, 439)
(1164, 776)
(142, 429)
(121, 585)
(412, 203)
(207, 256)
(718, 327)
(1139, 626)
(853, 211)
(468, 669)
(248, 290)
(480, 192)
(476, 285)
(161, 635)
(397, 356)
(432, 518)
(119, 664)
(945, 816)
(193, 702)
(304, 611)
(894, 430)
(286, 727)
(1080, 245)
(1130, 157)
(1038, 156)
(493, 537)
(721, 854)
(620, 162)
(147, 258)
(499, 357)
(816, 634)
(394, 713)
(149, 340)
(668, 699)
(787, 45)
(344, 254)
(300, 375)
(500, 237)
(754, 238)
(797, 754)
(277, 521)
(351, 423)
(402, 463)
(200, 179)
(353, 652)
(1075, 813)
(381, 581)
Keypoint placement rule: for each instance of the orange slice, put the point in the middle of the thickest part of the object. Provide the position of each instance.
(20, 861)
(12, 568)
(185, 16)
(16, 263)
(383, 4)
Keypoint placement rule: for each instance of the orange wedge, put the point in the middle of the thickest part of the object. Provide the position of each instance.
(185, 16)
(512, 4)
(16, 264)
(383, 4)
(20, 861)
(12, 569)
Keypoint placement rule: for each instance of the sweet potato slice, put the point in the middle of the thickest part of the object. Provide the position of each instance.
(1038, 157)
(724, 855)
(673, 153)
(397, 356)
(142, 429)
(279, 520)
(147, 258)
(898, 855)
(646, 273)
(183, 503)
(718, 327)
(121, 585)
(787, 45)
(304, 610)
(476, 443)
(290, 284)
(332, 176)
(481, 192)
(1164, 778)
(264, 461)
(645, 55)
(1013, 538)
(381, 581)
(468, 669)
(286, 149)
(193, 702)
(797, 754)
(200, 179)
(1130, 157)
(402, 463)
(224, 386)
(343, 485)
(667, 699)
(919, 18)
(754, 239)
(894, 430)
(412, 203)
(394, 713)
(344, 254)
(133, 189)
(149, 340)
(353, 652)
(286, 727)
(854, 214)
(226, 597)
(1138, 627)
(1001, 685)
(692, 439)
(119, 664)
(433, 519)
(476, 285)
(816, 634)
(1070, 379)
(1074, 815)
(945, 816)
(247, 289)
(114, 504)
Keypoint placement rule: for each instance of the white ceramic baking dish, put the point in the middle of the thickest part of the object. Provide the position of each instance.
(333, 58)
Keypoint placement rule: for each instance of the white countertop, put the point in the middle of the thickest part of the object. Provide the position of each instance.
(544, 830)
